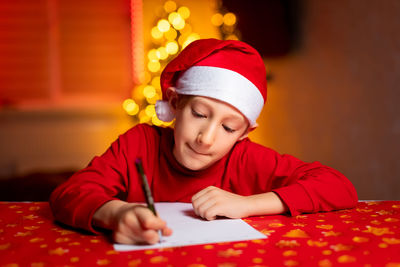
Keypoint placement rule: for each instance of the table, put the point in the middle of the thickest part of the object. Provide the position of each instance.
(368, 235)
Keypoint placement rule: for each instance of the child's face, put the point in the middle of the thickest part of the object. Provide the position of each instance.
(205, 131)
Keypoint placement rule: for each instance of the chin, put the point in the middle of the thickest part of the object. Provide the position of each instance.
(194, 165)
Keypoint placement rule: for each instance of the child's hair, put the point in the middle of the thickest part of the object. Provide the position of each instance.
(226, 70)
(183, 100)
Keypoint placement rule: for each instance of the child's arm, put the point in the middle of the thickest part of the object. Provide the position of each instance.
(274, 184)
(130, 223)
(212, 202)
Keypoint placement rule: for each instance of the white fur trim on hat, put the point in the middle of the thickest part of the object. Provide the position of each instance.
(225, 85)
(218, 83)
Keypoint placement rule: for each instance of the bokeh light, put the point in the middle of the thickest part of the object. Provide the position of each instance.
(229, 19)
(156, 33)
(153, 66)
(172, 33)
(169, 6)
(217, 19)
(163, 25)
(184, 12)
(172, 47)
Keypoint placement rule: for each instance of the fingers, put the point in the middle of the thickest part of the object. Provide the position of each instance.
(140, 225)
(205, 203)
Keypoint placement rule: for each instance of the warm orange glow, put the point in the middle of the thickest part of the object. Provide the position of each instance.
(155, 82)
(137, 41)
(217, 19)
(169, 6)
(186, 30)
(231, 37)
(229, 19)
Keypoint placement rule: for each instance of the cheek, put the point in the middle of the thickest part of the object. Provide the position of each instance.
(226, 142)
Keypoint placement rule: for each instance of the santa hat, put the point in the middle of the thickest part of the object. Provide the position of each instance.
(227, 70)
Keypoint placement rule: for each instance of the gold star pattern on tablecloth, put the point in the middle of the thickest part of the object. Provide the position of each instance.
(323, 239)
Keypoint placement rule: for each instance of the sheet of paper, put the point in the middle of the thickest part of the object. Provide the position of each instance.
(189, 229)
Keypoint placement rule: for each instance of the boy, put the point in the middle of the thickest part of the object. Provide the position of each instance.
(215, 91)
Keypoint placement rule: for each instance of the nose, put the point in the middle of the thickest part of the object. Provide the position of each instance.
(206, 135)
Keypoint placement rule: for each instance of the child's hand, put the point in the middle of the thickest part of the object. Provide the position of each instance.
(130, 223)
(138, 224)
(213, 201)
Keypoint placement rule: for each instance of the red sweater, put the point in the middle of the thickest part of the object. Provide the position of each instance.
(248, 169)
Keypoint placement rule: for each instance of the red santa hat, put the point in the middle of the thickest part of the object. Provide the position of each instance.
(228, 70)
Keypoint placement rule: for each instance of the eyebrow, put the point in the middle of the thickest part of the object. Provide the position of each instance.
(229, 116)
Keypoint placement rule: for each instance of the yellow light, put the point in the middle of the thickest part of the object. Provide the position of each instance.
(162, 53)
(171, 34)
(179, 24)
(172, 17)
(184, 12)
(176, 20)
(143, 118)
(155, 33)
(229, 19)
(155, 82)
(130, 107)
(153, 99)
(169, 6)
(152, 55)
(172, 48)
(150, 110)
(169, 123)
(156, 121)
(192, 37)
(149, 91)
(217, 19)
(163, 25)
(153, 66)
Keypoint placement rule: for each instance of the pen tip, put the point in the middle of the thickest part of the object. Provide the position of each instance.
(138, 161)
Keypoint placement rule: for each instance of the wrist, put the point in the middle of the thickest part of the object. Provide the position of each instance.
(265, 204)
(107, 215)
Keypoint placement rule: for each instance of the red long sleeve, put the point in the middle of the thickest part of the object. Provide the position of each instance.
(248, 169)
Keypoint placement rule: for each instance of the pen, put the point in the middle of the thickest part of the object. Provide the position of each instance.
(146, 190)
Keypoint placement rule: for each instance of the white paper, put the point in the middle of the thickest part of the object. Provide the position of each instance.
(189, 229)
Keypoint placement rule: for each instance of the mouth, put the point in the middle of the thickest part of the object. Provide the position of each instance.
(197, 152)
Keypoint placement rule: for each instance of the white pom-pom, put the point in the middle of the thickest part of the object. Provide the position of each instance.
(164, 111)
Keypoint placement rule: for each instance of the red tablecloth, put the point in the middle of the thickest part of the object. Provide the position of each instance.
(368, 235)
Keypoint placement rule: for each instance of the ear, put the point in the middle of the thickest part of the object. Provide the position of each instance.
(248, 130)
(172, 96)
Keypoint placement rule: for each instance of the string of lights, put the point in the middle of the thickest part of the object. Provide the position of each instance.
(171, 33)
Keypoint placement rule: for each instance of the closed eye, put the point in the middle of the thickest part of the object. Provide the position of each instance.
(197, 114)
(229, 130)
